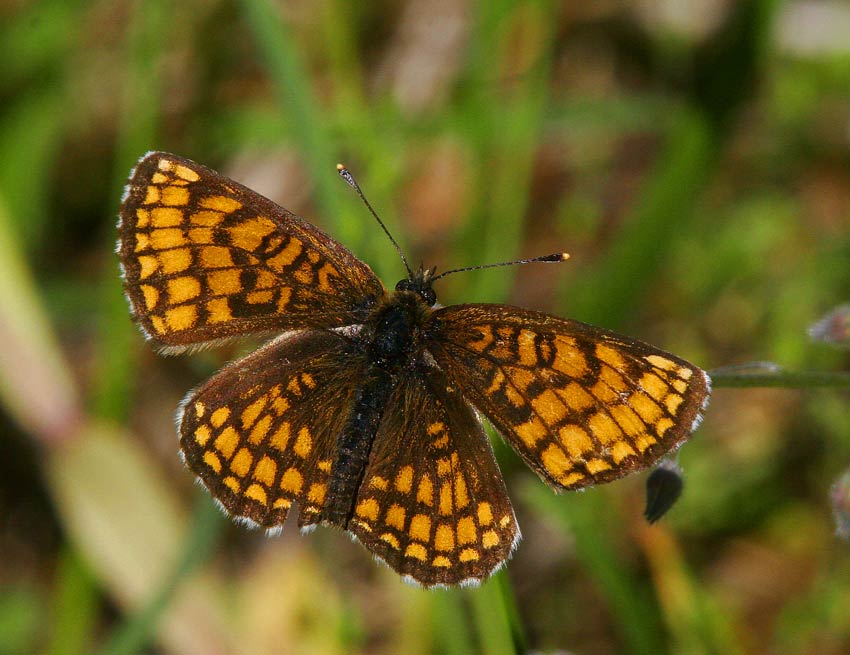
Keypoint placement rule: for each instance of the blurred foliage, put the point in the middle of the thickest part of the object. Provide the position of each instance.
(694, 159)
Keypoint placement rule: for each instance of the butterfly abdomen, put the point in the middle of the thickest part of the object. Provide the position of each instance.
(391, 341)
(353, 446)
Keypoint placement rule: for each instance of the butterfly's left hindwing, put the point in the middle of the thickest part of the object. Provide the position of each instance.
(581, 405)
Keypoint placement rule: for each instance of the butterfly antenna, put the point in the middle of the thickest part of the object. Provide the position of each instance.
(346, 175)
(553, 258)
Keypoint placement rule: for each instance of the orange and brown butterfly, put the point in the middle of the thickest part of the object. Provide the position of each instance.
(362, 412)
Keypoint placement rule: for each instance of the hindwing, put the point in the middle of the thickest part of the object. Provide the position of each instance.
(261, 433)
(433, 504)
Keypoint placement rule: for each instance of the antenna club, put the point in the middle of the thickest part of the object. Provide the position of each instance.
(346, 175)
(554, 258)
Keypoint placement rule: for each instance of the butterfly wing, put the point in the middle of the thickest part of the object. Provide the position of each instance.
(581, 405)
(432, 503)
(261, 433)
(205, 258)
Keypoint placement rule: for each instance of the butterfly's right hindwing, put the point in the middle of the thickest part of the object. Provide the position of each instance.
(433, 504)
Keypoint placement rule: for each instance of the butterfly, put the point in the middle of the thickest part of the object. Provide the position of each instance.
(364, 411)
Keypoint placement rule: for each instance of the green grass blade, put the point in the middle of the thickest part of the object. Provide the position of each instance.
(279, 51)
(494, 617)
(634, 611)
(149, 32)
(75, 607)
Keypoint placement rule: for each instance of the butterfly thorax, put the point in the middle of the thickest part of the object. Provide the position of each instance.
(394, 332)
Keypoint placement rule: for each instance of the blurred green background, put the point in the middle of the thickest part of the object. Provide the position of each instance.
(694, 158)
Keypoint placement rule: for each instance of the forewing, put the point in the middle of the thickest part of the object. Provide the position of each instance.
(205, 258)
(580, 404)
(261, 433)
(433, 504)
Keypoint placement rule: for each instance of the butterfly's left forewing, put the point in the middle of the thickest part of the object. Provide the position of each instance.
(205, 259)
(580, 404)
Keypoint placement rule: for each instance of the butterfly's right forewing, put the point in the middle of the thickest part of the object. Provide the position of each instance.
(580, 404)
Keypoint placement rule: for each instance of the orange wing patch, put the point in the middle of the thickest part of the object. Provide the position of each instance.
(205, 258)
(580, 404)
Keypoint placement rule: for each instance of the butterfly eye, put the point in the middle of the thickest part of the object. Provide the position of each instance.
(425, 292)
(428, 295)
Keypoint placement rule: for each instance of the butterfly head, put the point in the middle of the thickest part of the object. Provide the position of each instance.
(420, 283)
